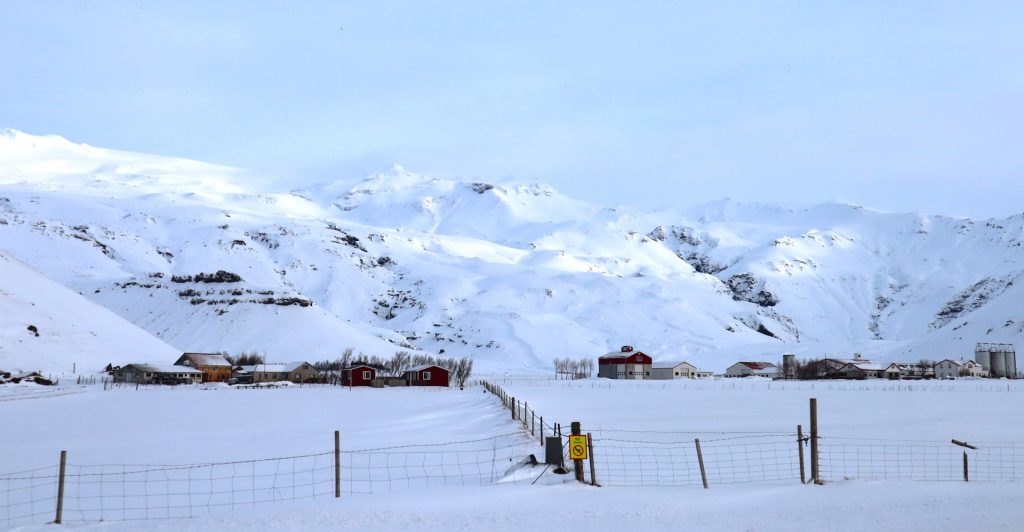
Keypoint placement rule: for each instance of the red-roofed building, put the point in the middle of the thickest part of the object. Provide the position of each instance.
(624, 364)
(752, 369)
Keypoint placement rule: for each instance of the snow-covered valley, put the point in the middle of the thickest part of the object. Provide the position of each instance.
(510, 274)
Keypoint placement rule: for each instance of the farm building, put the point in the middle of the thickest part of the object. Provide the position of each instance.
(426, 376)
(951, 369)
(359, 375)
(157, 374)
(677, 370)
(215, 367)
(892, 371)
(861, 370)
(624, 364)
(297, 372)
(752, 369)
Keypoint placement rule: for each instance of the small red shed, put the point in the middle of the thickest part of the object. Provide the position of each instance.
(427, 376)
(360, 375)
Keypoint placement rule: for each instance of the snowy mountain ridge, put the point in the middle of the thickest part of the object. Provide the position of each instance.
(511, 274)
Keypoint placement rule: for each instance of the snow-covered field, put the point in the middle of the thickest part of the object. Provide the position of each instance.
(480, 487)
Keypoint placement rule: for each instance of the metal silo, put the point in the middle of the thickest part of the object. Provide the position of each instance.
(789, 366)
(998, 361)
(1009, 360)
(981, 356)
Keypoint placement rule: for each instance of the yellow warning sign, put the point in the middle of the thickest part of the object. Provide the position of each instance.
(578, 447)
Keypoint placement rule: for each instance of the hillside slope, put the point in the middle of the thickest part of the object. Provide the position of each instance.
(511, 274)
(45, 326)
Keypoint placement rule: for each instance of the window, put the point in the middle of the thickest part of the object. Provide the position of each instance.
(366, 375)
(426, 375)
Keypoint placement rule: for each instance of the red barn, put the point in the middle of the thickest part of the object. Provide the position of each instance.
(358, 376)
(427, 376)
(624, 364)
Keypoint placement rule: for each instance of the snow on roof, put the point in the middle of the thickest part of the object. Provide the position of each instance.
(207, 359)
(865, 366)
(623, 354)
(424, 366)
(671, 364)
(163, 368)
(276, 368)
(758, 365)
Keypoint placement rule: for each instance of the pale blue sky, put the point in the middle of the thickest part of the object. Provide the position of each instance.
(915, 106)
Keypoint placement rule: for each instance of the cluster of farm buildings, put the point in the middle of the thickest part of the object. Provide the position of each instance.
(194, 368)
(991, 360)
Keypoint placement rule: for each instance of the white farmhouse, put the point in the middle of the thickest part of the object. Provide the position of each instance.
(752, 369)
(951, 369)
(677, 370)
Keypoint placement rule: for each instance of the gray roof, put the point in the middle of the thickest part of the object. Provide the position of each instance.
(423, 367)
(206, 359)
(670, 365)
(274, 368)
(162, 368)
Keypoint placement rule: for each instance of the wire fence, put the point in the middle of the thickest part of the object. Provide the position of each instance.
(670, 459)
(877, 459)
(618, 457)
(118, 492)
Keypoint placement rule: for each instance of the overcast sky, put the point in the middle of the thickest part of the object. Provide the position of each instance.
(894, 105)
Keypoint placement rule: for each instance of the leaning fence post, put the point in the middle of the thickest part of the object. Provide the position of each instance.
(966, 446)
(800, 450)
(700, 460)
(60, 486)
(337, 464)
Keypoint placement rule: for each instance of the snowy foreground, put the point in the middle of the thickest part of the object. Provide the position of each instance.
(396, 476)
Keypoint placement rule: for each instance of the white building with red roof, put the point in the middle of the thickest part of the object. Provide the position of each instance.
(752, 369)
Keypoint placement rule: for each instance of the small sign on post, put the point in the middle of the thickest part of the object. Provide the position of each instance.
(578, 447)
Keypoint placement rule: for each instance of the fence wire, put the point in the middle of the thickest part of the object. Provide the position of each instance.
(118, 492)
(28, 496)
(875, 459)
(663, 459)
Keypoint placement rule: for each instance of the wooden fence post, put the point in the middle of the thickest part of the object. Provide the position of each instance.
(800, 450)
(965, 466)
(60, 487)
(512, 407)
(542, 431)
(533, 423)
(577, 465)
(590, 455)
(814, 442)
(337, 464)
(700, 461)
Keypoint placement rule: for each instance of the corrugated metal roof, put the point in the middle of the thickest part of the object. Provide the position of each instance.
(423, 367)
(207, 359)
(758, 365)
(276, 368)
(671, 365)
(163, 368)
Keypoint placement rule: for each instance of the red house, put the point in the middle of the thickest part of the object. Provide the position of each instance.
(625, 364)
(358, 376)
(427, 376)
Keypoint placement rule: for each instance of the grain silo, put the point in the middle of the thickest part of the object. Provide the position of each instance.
(998, 361)
(1009, 360)
(789, 366)
(981, 356)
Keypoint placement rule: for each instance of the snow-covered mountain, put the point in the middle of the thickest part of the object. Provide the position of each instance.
(512, 274)
(44, 325)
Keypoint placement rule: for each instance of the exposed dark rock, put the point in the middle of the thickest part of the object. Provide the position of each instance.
(746, 287)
